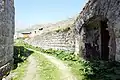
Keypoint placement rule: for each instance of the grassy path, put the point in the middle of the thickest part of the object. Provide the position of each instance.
(37, 68)
(63, 66)
(31, 69)
(40, 66)
(66, 73)
(45, 69)
(64, 70)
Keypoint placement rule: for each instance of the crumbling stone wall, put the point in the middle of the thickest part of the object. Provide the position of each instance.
(95, 12)
(6, 35)
(59, 40)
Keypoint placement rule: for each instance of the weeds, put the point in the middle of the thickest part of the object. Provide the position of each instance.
(21, 53)
(91, 70)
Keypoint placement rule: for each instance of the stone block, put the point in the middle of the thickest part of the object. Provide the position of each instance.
(6, 36)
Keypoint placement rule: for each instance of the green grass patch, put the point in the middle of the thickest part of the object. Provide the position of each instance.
(85, 70)
(20, 71)
(46, 69)
(20, 60)
(68, 57)
(88, 70)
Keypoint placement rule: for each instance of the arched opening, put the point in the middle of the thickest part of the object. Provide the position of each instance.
(96, 39)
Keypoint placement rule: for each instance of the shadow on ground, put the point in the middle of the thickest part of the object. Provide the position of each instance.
(20, 55)
(101, 70)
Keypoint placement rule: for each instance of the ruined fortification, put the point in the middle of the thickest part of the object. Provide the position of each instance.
(98, 30)
(58, 36)
(60, 40)
(6, 35)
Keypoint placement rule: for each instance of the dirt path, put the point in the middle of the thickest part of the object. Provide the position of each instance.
(65, 71)
(31, 70)
(66, 74)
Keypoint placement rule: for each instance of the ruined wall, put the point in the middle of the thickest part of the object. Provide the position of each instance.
(6, 35)
(100, 10)
(97, 32)
(61, 40)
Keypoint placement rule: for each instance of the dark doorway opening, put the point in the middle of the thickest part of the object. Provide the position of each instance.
(104, 41)
(92, 33)
(96, 39)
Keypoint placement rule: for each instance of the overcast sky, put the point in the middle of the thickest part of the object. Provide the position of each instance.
(30, 12)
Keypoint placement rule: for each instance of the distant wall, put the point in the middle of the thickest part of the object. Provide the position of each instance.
(97, 32)
(61, 40)
(6, 35)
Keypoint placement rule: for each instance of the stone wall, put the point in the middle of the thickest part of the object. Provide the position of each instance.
(60, 40)
(95, 12)
(6, 35)
(97, 32)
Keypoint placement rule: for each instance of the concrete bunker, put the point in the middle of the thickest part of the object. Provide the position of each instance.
(96, 38)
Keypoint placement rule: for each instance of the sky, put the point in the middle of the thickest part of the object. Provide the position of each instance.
(31, 12)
